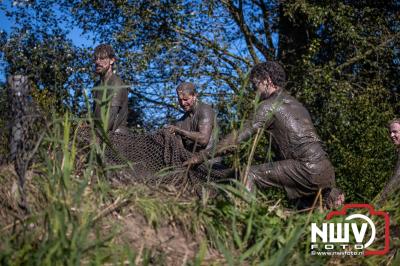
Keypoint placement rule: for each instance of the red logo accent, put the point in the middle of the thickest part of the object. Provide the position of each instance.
(372, 212)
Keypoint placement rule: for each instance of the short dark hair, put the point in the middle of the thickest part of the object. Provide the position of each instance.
(104, 50)
(270, 69)
(186, 87)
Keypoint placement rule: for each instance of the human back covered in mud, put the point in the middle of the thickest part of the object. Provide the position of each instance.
(305, 170)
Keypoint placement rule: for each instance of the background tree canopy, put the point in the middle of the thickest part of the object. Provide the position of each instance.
(342, 59)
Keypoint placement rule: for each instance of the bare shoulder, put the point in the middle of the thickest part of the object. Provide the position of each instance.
(204, 107)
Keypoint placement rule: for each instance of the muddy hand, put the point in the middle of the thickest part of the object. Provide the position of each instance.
(170, 128)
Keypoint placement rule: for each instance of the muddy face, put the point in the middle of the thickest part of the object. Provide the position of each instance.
(264, 88)
(395, 133)
(103, 64)
(186, 101)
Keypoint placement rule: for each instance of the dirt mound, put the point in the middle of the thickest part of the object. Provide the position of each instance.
(165, 242)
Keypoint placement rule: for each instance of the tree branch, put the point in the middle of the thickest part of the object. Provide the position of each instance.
(250, 38)
(267, 30)
(210, 44)
(142, 97)
(367, 53)
(218, 51)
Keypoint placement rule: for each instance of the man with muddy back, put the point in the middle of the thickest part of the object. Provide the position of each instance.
(109, 85)
(305, 168)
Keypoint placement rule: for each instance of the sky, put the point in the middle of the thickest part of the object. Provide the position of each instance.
(6, 25)
(76, 34)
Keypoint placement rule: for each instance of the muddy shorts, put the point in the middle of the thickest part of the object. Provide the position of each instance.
(299, 179)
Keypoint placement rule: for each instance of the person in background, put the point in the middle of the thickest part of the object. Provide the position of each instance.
(109, 85)
(394, 182)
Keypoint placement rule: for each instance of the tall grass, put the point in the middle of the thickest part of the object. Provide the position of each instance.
(76, 218)
(60, 228)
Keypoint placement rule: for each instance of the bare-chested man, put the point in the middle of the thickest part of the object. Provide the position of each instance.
(112, 85)
(305, 167)
(196, 126)
(394, 182)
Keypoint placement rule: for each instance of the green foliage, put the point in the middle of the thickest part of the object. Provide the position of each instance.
(342, 60)
(46, 59)
(76, 217)
(38, 46)
(349, 90)
(59, 232)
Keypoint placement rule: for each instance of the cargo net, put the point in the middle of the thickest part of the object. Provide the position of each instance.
(156, 159)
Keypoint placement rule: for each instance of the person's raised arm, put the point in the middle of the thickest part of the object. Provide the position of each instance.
(262, 119)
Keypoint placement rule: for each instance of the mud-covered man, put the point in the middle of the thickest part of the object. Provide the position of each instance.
(394, 182)
(197, 125)
(109, 89)
(305, 168)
